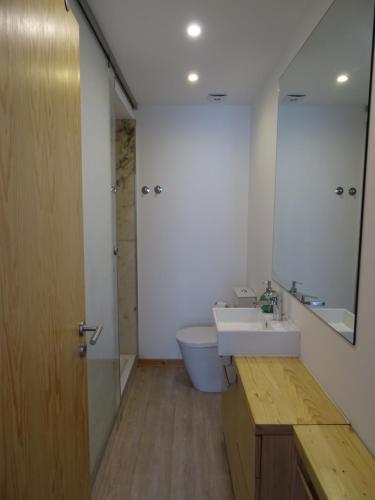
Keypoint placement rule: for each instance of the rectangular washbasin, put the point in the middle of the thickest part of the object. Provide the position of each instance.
(250, 332)
(239, 319)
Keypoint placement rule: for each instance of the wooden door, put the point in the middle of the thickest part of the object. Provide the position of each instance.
(44, 451)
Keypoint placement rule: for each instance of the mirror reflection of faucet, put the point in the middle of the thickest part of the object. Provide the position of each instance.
(308, 300)
(312, 301)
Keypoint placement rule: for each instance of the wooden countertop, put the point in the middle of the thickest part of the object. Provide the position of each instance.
(281, 391)
(337, 462)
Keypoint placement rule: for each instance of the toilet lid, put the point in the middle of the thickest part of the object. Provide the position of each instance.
(198, 336)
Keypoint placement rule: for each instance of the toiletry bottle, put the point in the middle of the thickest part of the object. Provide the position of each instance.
(267, 296)
(293, 289)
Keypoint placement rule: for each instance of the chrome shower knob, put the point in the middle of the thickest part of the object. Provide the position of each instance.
(145, 189)
(158, 189)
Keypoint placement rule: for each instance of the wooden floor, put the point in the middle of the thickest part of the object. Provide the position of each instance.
(167, 444)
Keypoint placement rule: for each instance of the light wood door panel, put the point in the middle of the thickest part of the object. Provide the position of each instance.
(247, 441)
(43, 391)
(241, 443)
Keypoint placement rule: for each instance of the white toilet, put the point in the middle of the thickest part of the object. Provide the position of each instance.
(198, 345)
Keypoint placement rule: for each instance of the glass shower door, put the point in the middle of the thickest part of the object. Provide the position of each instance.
(104, 399)
(99, 239)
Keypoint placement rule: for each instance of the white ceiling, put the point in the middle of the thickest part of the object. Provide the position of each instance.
(241, 42)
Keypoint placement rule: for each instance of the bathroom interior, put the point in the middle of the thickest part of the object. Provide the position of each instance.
(193, 317)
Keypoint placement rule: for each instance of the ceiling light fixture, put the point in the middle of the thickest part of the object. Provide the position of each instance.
(342, 78)
(194, 30)
(193, 77)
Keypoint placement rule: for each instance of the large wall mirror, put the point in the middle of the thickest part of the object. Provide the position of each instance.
(321, 156)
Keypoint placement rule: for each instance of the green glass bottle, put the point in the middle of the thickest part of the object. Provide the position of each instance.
(267, 296)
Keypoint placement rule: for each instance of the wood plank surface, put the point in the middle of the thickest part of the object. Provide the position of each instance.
(167, 444)
(160, 362)
(337, 462)
(281, 391)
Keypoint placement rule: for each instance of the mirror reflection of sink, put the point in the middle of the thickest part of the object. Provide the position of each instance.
(250, 332)
(341, 320)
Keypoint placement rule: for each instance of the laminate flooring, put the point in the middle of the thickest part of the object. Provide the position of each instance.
(167, 443)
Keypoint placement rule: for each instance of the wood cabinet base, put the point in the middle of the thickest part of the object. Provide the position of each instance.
(262, 460)
(272, 395)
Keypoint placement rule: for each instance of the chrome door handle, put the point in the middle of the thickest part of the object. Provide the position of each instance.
(83, 328)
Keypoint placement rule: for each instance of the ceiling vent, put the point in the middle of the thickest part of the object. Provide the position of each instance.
(295, 97)
(217, 98)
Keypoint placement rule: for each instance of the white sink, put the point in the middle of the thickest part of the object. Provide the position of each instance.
(239, 319)
(341, 320)
(250, 332)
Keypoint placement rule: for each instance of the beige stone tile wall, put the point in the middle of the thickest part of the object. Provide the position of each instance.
(126, 236)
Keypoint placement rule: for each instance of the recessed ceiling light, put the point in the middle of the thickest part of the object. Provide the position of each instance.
(342, 78)
(194, 30)
(193, 77)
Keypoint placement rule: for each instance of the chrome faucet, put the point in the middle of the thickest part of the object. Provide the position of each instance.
(277, 302)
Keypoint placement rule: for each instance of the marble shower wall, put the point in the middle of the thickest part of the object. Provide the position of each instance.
(126, 236)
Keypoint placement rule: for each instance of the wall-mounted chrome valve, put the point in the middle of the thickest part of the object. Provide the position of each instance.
(145, 189)
(352, 191)
(339, 190)
(158, 189)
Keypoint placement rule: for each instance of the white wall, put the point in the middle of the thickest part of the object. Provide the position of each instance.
(345, 372)
(319, 148)
(192, 238)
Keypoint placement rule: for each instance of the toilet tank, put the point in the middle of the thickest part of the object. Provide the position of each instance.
(244, 296)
